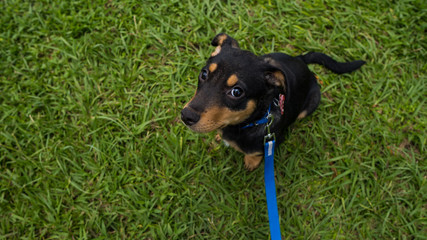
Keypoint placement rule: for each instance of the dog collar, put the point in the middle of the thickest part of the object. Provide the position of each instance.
(263, 120)
(280, 102)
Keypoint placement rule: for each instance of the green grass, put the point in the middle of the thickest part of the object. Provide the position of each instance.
(91, 146)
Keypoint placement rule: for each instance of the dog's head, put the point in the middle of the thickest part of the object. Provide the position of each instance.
(230, 88)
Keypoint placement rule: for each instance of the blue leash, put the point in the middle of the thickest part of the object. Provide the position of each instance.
(270, 185)
(270, 191)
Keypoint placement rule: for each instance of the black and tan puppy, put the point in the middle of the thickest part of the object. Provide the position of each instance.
(237, 90)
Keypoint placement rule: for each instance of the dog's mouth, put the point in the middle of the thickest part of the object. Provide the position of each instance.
(215, 117)
(206, 128)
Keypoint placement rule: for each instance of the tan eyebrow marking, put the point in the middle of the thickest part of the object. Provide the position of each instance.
(213, 67)
(232, 80)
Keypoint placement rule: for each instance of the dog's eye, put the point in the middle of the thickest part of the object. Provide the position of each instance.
(203, 75)
(236, 92)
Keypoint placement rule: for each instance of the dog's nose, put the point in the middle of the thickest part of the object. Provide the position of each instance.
(189, 117)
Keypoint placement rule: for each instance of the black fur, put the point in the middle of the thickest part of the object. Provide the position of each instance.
(262, 79)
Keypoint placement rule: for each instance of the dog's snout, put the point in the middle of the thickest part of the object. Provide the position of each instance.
(189, 116)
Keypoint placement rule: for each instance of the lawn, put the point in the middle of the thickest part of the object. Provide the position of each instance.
(91, 145)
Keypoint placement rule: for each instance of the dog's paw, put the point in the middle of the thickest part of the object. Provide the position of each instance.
(252, 161)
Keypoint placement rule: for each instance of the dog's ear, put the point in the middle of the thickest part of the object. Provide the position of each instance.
(223, 40)
(276, 78)
(273, 75)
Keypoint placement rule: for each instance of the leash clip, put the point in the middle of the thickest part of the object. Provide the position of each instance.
(276, 102)
(269, 136)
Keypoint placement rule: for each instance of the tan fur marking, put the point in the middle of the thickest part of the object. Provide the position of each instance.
(213, 67)
(279, 80)
(253, 160)
(216, 52)
(221, 39)
(302, 115)
(279, 76)
(232, 80)
(218, 117)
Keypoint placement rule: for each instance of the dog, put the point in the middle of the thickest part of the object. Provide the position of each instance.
(239, 93)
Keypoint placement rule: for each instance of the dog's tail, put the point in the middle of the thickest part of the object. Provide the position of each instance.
(331, 64)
